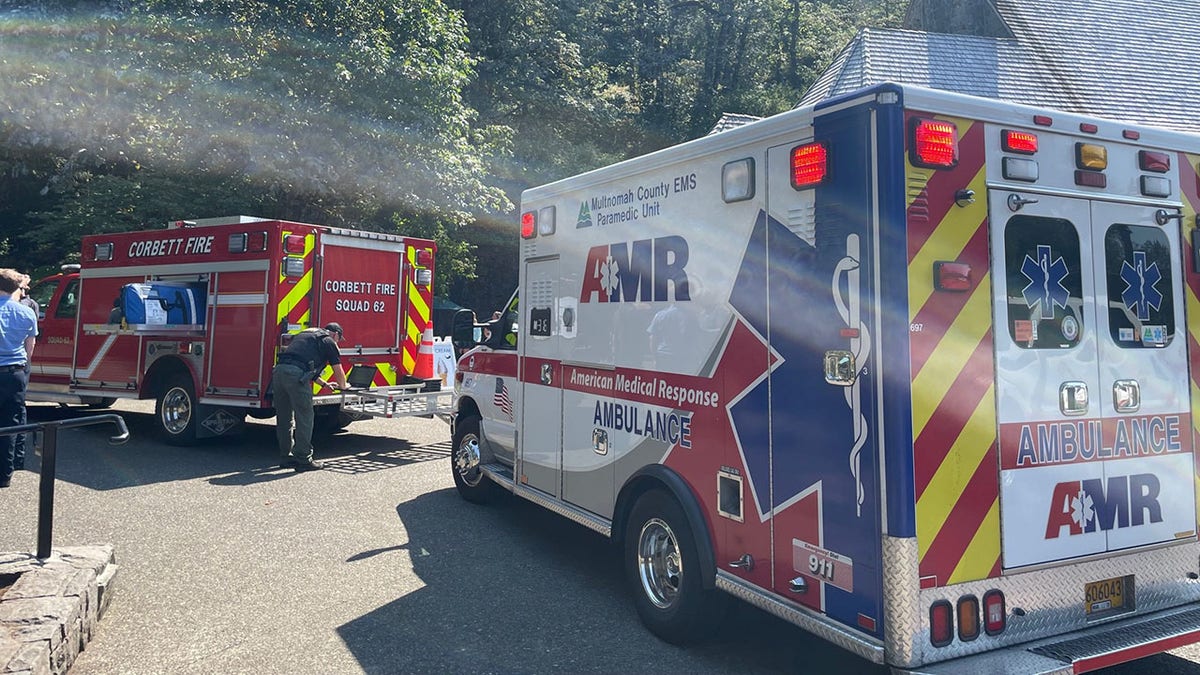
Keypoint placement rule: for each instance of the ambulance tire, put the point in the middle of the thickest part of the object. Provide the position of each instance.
(465, 459)
(663, 570)
(175, 411)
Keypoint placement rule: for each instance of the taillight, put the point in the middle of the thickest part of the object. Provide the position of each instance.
(941, 623)
(1021, 142)
(528, 225)
(951, 276)
(809, 165)
(1158, 162)
(968, 618)
(995, 618)
(934, 144)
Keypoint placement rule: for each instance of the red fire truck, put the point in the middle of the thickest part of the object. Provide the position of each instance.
(193, 316)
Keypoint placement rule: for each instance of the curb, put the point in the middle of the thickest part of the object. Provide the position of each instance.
(50, 611)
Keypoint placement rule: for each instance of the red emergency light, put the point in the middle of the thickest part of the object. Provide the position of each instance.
(1158, 162)
(425, 258)
(1020, 142)
(809, 165)
(951, 276)
(528, 225)
(293, 243)
(933, 144)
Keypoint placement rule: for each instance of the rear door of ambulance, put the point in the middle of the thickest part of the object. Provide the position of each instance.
(359, 286)
(1092, 375)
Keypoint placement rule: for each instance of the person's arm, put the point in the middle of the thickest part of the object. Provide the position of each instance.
(339, 375)
(29, 344)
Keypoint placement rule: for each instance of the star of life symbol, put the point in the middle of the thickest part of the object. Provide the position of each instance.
(1046, 276)
(609, 276)
(1081, 509)
(1141, 286)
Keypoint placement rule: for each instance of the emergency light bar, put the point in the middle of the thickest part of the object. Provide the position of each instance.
(933, 144)
(809, 165)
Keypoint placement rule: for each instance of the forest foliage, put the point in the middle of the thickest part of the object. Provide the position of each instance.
(423, 117)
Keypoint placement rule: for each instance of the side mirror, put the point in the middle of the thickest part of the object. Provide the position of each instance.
(463, 332)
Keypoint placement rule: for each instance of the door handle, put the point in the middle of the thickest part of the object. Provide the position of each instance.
(1015, 202)
(1073, 398)
(1127, 396)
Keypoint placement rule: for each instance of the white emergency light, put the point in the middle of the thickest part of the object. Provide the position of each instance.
(237, 242)
(737, 180)
(104, 251)
(293, 267)
(1156, 186)
(545, 221)
(1017, 168)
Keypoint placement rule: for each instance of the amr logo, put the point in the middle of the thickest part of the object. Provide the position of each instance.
(640, 271)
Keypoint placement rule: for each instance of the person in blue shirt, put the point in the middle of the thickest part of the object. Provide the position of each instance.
(18, 331)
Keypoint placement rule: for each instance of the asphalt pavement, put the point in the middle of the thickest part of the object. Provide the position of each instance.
(374, 565)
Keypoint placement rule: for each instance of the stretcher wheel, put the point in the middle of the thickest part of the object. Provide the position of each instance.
(663, 571)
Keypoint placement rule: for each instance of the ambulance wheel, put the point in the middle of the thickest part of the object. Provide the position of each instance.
(175, 411)
(663, 571)
(465, 461)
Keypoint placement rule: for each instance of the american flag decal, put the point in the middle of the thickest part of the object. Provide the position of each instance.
(501, 399)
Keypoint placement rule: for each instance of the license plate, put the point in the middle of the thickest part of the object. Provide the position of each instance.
(1102, 596)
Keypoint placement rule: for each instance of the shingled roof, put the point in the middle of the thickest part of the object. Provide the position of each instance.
(1123, 59)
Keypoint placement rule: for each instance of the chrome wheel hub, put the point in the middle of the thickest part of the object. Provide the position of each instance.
(176, 410)
(660, 564)
(466, 460)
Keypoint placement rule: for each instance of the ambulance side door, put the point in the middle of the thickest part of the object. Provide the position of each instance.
(539, 369)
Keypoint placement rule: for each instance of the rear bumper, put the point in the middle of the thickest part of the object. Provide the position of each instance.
(1085, 650)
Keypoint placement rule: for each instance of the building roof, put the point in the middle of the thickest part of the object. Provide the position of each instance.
(1121, 59)
(731, 121)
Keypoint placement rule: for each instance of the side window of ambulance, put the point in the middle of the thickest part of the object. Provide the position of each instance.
(68, 304)
(1045, 283)
(1138, 276)
(42, 294)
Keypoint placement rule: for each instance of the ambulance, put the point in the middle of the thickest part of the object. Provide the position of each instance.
(912, 370)
(193, 316)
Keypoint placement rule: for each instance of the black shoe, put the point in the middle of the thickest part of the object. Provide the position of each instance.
(5, 483)
(310, 466)
(288, 463)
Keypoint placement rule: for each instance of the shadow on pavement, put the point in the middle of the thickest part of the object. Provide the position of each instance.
(86, 458)
(503, 584)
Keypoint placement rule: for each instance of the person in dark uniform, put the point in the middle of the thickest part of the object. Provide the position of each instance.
(298, 367)
(18, 328)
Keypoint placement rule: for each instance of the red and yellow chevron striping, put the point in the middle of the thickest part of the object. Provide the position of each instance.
(951, 352)
(295, 295)
(1189, 186)
(418, 310)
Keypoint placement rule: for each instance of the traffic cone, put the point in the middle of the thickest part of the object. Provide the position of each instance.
(423, 370)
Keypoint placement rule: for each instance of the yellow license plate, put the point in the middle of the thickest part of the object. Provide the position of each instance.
(1101, 596)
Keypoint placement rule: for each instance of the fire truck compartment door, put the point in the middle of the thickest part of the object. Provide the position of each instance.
(360, 287)
(539, 443)
(1091, 378)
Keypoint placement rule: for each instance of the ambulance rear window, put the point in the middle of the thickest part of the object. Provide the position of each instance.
(1044, 284)
(1141, 309)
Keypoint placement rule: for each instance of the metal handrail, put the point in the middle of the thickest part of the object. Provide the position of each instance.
(50, 461)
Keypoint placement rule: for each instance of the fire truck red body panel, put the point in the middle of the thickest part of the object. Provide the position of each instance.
(239, 287)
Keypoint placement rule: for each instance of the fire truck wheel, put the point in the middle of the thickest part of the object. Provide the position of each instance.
(663, 569)
(174, 411)
(101, 403)
(472, 485)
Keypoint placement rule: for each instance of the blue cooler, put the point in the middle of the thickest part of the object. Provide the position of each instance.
(163, 304)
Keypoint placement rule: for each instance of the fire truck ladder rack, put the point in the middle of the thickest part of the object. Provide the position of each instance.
(402, 400)
(165, 330)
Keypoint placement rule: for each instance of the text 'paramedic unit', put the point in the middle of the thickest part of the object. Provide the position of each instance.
(913, 370)
(194, 315)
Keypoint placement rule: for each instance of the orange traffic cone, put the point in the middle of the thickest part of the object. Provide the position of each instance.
(423, 370)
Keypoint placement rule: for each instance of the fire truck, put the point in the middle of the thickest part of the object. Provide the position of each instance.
(915, 371)
(194, 315)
